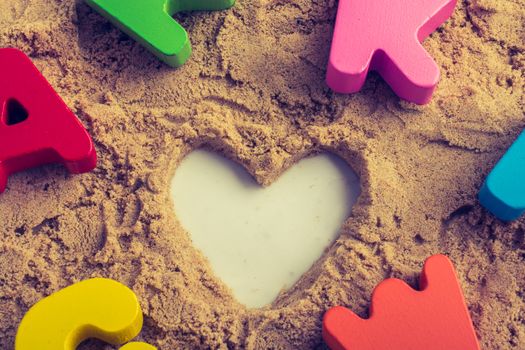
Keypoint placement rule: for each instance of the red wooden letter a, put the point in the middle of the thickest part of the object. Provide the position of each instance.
(36, 126)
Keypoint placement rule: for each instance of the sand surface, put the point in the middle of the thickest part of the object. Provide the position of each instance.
(254, 91)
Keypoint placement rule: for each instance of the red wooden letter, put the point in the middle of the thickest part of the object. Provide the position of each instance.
(36, 126)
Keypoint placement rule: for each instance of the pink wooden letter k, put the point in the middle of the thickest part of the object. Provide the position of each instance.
(385, 36)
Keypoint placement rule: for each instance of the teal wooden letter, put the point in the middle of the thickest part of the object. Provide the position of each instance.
(503, 192)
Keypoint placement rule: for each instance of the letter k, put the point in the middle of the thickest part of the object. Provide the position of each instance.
(385, 36)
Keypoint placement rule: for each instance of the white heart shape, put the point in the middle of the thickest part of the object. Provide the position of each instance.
(261, 240)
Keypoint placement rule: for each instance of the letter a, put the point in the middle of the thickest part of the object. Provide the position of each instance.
(36, 126)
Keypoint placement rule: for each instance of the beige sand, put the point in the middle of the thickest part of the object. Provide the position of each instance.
(254, 92)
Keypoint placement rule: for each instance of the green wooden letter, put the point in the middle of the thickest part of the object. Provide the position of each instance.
(150, 22)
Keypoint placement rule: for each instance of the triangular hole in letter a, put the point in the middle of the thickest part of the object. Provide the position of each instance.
(14, 113)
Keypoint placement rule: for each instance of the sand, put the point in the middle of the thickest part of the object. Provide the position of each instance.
(254, 91)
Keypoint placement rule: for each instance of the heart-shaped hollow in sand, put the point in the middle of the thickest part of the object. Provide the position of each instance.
(261, 240)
